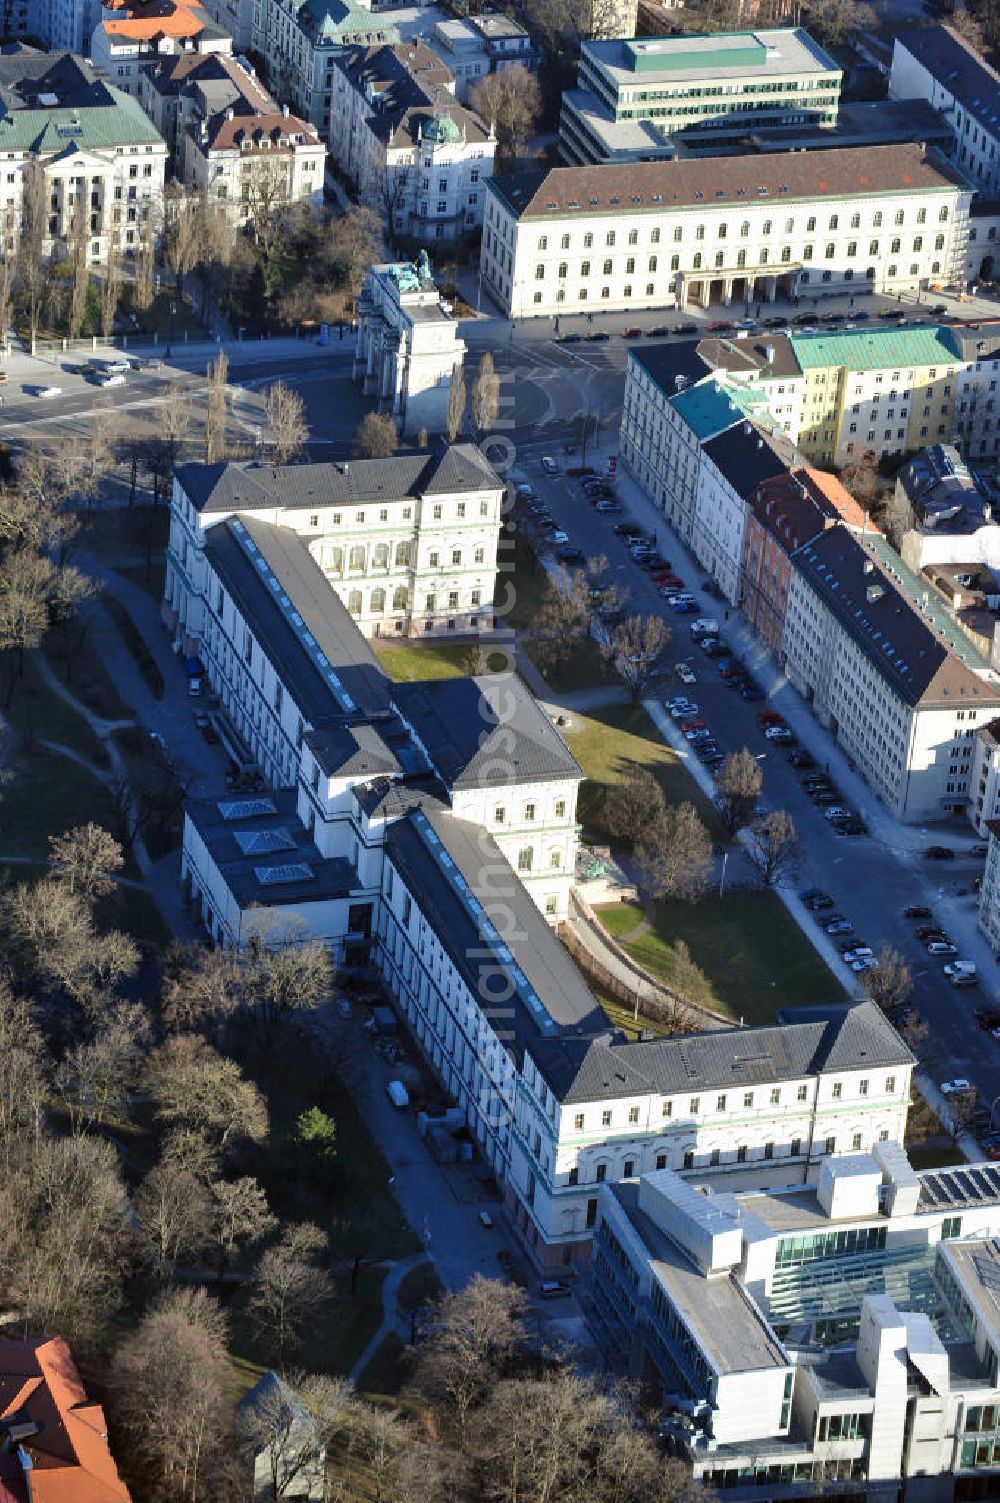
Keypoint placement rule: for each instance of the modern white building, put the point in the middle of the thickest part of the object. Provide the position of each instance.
(729, 229)
(416, 155)
(134, 33)
(936, 64)
(649, 88)
(836, 1339)
(408, 346)
(473, 47)
(888, 672)
(98, 153)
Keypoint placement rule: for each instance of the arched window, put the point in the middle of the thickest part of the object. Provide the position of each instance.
(354, 602)
(377, 606)
(380, 556)
(335, 560)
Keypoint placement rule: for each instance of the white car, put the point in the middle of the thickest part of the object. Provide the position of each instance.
(549, 465)
(863, 963)
(685, 674)
(957, 1087)
(558, 536)
(960, 968)
(114, 380)
(837, 812)
(118, 367)
(50, 391)
(941, 947)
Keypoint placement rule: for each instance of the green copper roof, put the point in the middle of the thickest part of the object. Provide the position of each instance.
(873, 349)
(339, 18)
(87, 127)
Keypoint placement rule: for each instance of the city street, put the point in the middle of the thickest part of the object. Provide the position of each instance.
(871, 878)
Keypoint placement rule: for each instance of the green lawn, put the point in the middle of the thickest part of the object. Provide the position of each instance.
(584, 668)
(521, 581)
(751, 950)
(411, 663)
(36, 713)
(85, 676)
(49, 794)
(334, 1341)
(607, 742)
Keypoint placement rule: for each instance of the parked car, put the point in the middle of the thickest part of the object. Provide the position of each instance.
(118, 367)
(917, 911)
(979, 850)
(837, 811)
(931, 931)
(957, 1087)
(114, 380)
(843, 926)
(858, 952)
(941, 947)
(779, 733)
(939, 853)
(549, 465)
(553, 1289)
(685, 674)
(558, 536)
(816, 904)
(49, 391)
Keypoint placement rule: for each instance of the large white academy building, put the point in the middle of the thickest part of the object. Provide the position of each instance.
(728, 229)
(430, 830)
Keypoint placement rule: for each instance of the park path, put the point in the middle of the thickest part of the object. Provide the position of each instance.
(394, 1320)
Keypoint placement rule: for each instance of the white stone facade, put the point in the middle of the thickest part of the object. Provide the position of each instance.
(613, 238)
(937, 65)
(408, 348)
(255, 165)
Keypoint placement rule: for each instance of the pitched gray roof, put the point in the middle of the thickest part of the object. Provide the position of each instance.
(250, 487)
(481, 914)
(958, 68)
(352, 750)
(807, 1041)
(485, 732)
(322, 658)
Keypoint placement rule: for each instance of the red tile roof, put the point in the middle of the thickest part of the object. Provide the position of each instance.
(229, 135)
(70, 1456)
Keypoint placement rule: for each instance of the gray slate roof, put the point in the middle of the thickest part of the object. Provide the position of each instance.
(352, 750)
(253, 487)
(472, 895)
(485, 732)
(248, 556)
(958, 68)
(807, 1041)
(327, 877)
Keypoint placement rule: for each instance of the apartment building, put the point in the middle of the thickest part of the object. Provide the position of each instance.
(473, 47)
(785, 511)
(182, 91)
(134, 33)
(235, 17)
(839, 1337)
(734, 464)
(408, 544)
(937, 64)
(728, 229)
(98, 153)
(64, 25)
(255, 165)
(887, 671)
(300, 45)
(416, 155)
(649, 88)
(408, 346)
(984, 805)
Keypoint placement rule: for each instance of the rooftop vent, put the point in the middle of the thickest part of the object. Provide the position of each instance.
(874, 592)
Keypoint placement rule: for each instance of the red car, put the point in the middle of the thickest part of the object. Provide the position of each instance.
(769, 717)
(693, 725)
(673, 580)
(993, 1152)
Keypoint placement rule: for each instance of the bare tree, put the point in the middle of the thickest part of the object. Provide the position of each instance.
(240, 1216)
(173, 1211)
(25, 1067)
(95, 1077)
(861, 478)
(8, 265)
(634, 649)
(86, 859)
(201, 988)
(291, 1289)
(79, 264)
(633, 804)
(376, 436)
(62, 1230)
(111, 286)
(471, 1336)
(144, 281)
(563, 618)
(456, 404)
(292, 1426)
(890, 980)
(170, 1391)
(180, 234)
(176, 417)
(674, 854)
(739, 783)
(286, 973)
(194, 1086)
(216, 407)
(485, 396)
(510, 102)
(32, 265)
(773, 846)
(286, 418)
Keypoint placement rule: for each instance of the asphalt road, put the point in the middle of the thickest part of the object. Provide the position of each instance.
(871, 878)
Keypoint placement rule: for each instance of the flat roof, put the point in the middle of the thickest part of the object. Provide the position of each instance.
(727, 1324)
(766, 54)
(722, 182)
(977, 1263)
(263, 853)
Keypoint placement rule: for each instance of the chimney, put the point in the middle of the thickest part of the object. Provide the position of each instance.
(867, 567)
(746, 429)
(229, 112)
(284, 112)
(769, 353)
